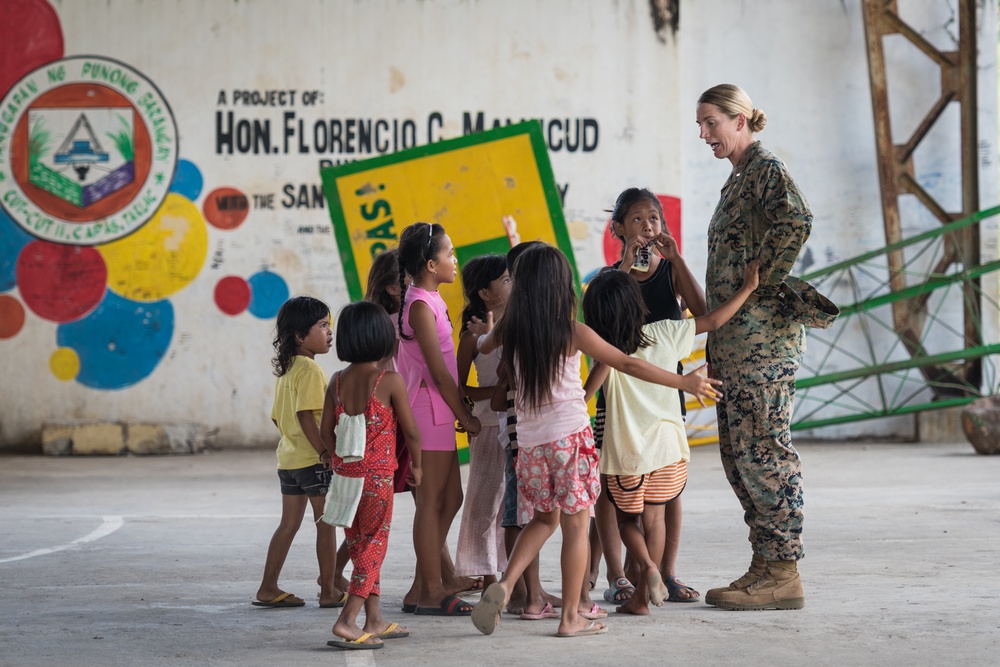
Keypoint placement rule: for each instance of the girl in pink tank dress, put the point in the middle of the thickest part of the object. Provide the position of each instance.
(557, 462)
(371, 401)
(426, 360)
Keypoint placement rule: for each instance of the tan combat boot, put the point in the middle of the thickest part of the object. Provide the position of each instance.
(756, 571)
(779, 588)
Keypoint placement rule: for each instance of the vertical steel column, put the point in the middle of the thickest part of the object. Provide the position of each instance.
(896, 177)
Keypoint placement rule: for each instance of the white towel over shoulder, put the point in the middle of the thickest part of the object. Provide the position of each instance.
(351, 432)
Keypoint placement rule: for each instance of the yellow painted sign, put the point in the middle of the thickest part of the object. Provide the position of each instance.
(469, 185)
(488, 190)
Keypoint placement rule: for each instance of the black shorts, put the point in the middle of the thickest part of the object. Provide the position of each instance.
(311, 481)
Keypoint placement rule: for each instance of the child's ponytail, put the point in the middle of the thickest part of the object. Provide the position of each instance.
(402, 302)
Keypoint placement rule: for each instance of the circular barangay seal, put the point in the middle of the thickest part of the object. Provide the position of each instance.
(88, 148)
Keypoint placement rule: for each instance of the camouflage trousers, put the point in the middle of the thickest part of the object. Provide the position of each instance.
(762, 467)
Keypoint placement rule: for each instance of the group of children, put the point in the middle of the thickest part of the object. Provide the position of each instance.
(387, 423)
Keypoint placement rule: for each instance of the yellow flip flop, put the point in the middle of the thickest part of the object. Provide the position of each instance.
(393, 632)
(362, 643)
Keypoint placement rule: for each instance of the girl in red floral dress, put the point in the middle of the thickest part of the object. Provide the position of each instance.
(360, 413)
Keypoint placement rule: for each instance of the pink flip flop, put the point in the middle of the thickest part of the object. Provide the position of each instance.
(547, 612)
(595, 613)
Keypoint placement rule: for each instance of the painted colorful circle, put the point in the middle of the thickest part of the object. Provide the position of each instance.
(268, 291)
(59, 282)
(12, 241)
(11, 316)
(232, 295)
(89, 153)
(188, 180)
(65, 364)
(30, 36)
(226, 208)
(163, 257)
(120, 343)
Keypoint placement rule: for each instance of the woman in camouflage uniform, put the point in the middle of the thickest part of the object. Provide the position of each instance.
(761, 215)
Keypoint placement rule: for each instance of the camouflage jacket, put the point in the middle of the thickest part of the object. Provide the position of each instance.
(761, 215)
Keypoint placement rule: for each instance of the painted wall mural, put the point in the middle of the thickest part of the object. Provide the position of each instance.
(160, 183)
(99, 225)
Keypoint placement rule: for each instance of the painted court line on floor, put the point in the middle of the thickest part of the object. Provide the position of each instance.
(109, 524)
(359, 658)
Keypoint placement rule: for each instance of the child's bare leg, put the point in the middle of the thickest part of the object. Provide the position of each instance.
(343, 557)
(574, 568)
(427, 529)
(339, 581)
(412, 595)
(292, 510)
(529, 543)
(452, 504)
(535, 596)
(375, 622)
(611, 541)
(595, 556)
(347, 623)
(326, 553)
(647, 574)
(585, 603)
(519, 595)
(435, 510)
(452, 584)
(672, 527)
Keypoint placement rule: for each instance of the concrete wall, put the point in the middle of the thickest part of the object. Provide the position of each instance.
(263, 92)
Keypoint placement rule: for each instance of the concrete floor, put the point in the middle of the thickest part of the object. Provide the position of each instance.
(153, 561)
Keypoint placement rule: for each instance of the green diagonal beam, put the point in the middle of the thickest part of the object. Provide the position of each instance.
(917, 290)
(891, 412)
(892, 367)
(944, 229)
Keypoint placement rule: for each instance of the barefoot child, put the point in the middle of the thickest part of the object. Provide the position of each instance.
(668, 287)
(303, 331)
(557, 462)
(645, 449)
(375, 399)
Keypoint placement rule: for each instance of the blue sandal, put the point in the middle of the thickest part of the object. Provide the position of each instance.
(620, 591)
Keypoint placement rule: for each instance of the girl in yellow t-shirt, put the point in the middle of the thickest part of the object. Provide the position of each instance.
(303, 331)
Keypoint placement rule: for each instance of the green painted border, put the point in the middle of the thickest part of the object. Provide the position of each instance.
(532, 128)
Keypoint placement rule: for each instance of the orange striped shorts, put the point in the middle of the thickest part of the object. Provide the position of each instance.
(631, 493)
